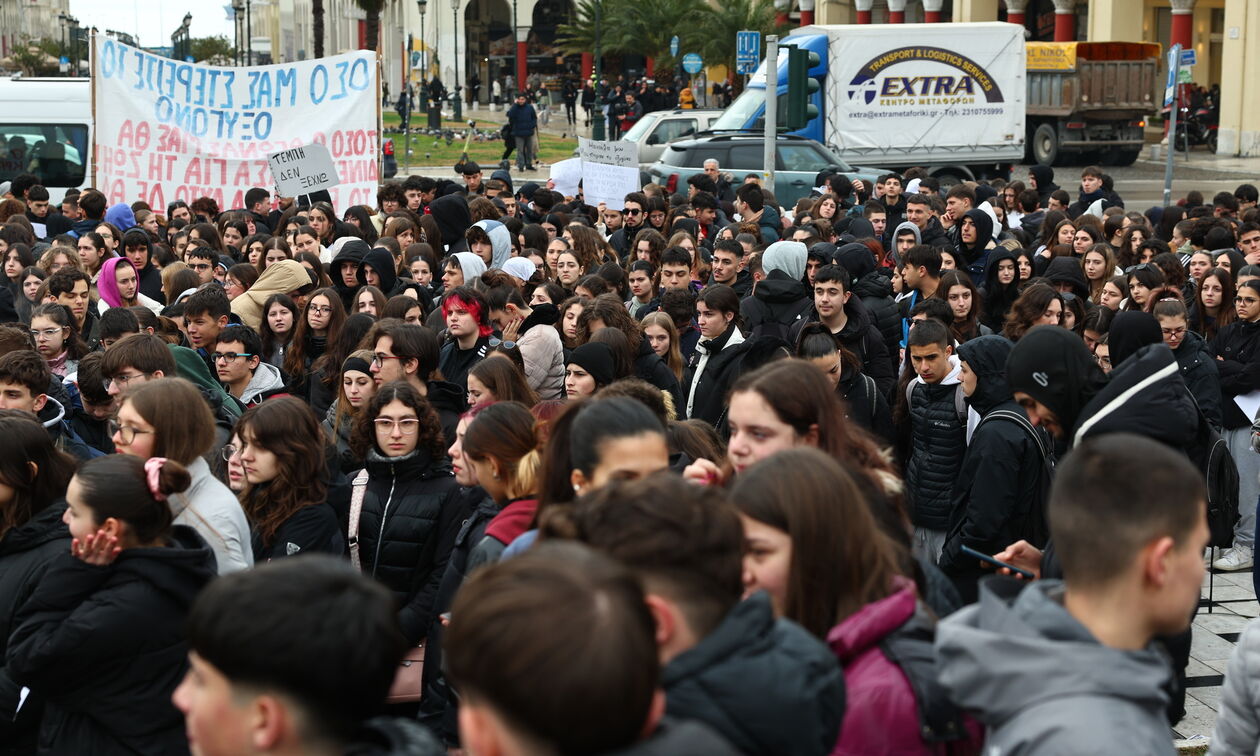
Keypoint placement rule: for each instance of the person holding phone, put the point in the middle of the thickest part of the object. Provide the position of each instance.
(1000, 494)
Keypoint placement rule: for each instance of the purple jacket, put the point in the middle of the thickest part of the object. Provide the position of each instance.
(882, 715)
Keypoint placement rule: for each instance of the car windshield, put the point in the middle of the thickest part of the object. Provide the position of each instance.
(637, 131)
(742, 110)
(674, 156)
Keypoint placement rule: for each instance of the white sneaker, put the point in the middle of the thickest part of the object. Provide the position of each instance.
(1237, 558)
(1209, 555)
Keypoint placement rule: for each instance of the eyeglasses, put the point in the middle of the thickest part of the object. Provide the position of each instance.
(495, 343)
(125, 433)
(408, 425)
(379, 359)
(1245, 300)
(218, 356)
(123, 380)
(200, 266)
(228, 452)
(320, 309)
(1173, 333)
(45, 333)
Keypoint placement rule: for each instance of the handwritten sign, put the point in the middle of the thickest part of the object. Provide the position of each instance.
(167, 130)
(610, 171)
(565, 176)
(303, 170)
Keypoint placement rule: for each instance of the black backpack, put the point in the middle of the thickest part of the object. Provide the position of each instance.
(910, 648)
(1210, 453)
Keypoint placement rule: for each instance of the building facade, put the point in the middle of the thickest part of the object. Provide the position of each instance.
(22, 20)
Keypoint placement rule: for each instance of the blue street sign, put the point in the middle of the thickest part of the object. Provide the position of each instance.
(692, 63)
(1189, 57)
(747, 51)
(1170, 85)
(673, 47)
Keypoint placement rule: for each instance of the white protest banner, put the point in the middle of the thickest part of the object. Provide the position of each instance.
(303, 170)
(167, 130)
(625, 154)
(610, 171)
(565, 176)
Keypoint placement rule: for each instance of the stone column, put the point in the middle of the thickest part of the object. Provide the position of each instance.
(932, 11)
(1015, 11)
(863, 10)
(896, 11)
(1064, 20)
(1240, 109)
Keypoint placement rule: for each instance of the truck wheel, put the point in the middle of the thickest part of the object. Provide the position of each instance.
(1211, 141)
(949, 177)
(1045, 145)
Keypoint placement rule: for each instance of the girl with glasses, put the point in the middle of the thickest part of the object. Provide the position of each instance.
(282, 453)
(320, 326)
(410, 501)
(56, 340)
(170, 418)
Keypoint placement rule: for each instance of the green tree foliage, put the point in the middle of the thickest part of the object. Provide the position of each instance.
(217, 49)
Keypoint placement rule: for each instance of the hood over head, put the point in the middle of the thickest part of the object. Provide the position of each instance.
(1044, 175)
(984, 233)
(500, 241)
(380, 260)
(121, 216)
(503, 176)
(471, 265)
(107, 281)
(786, 256)
(1053, 366)
(861, 228)
(1067, 270)
(856, 258)
(1131, 331)
(452, 216)
(986, 357)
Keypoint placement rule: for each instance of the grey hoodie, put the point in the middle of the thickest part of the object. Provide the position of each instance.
(1042, 684)
(266, 378)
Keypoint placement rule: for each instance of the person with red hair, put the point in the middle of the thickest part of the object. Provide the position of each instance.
(468, 333)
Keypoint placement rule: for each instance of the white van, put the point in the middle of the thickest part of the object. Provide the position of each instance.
(46, 129)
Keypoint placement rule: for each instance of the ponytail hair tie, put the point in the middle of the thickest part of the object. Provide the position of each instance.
(153, 474)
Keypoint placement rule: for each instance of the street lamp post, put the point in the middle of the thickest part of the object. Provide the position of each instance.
(459, 97)
(424, 47)
(238, 7)
(597, 131)
(516, 47)
(249, 39)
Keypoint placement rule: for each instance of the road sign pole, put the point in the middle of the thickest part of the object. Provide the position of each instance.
(772, 108)
(1170, 99)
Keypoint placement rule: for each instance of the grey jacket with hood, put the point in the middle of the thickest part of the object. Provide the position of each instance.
(1042, 684)
(266, 378)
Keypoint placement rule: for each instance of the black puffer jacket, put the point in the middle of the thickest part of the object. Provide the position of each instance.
(25, 555)
(1002, 488)
(406, 530)
(867, 405)
(720, 372)
(1201, 375)
(860, 336)
(106, 648)
(873, 286)
(1238, 346)
(766, 685)
(449, 402)
(937, 444)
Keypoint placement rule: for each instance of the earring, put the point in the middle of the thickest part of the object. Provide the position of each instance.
(577, 488)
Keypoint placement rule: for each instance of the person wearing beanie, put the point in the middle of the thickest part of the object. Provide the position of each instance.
(1000, 494)
(1067, 276)
(781, 298)
(1129, 332)
(590, 368)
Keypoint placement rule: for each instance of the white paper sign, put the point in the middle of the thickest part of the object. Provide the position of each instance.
(625, 154)
(565, 176)
(168, 130)
(1249, 403)
(303, 170)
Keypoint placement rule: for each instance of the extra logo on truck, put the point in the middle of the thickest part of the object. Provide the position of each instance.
(919, 75)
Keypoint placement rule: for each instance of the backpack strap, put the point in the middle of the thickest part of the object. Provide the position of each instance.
(359, 491)
(871, 389)
(1021, 420)
(910, 648)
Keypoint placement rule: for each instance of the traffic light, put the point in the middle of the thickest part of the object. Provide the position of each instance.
(801, 88)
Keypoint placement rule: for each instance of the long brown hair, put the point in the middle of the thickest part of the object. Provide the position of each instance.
(801, 397)
(505, 432)
(674, 355)
(30, 465)
(295, 356)
(1032, 302)
(286, 427)
(504, 379)
(1225, 313)
(841, 560)
(962, 330)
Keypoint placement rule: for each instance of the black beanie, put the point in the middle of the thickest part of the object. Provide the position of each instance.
(1052, 365)
(597, 359)
(1129, 332)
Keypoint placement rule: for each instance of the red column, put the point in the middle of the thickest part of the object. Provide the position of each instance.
(932, 17)
(1064, 27)
(1182, 28)
(1014, 17)
(863, 16)
(651, 66)
(807, 17)
(896, 17)
(521, 51)
(588, 64)
(781, 18)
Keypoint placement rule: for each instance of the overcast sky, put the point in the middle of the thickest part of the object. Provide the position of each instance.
(152, 21)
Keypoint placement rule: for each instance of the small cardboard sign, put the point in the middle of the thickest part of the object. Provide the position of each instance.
(303, 170)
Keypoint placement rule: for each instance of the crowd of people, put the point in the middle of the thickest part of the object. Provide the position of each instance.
(900, 469)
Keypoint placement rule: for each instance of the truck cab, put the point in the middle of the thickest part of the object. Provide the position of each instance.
(46, 130)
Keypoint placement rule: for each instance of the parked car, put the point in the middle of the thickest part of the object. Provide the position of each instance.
(654, 130)
(798, 161)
